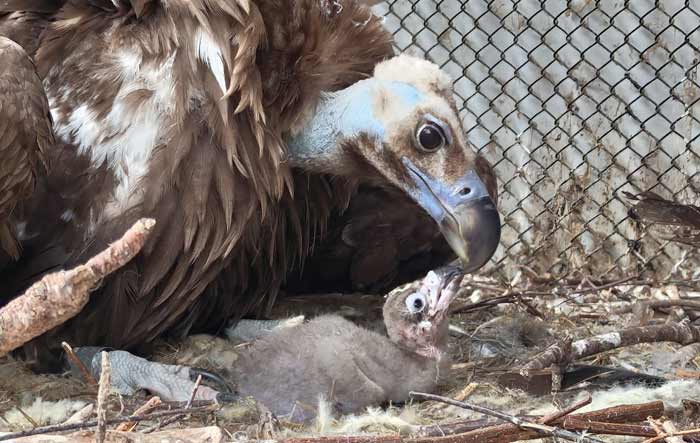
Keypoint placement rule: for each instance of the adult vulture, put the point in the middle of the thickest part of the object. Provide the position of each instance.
(278, 144)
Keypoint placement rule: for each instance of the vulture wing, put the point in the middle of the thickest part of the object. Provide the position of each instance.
(179, 113)
(25, 136)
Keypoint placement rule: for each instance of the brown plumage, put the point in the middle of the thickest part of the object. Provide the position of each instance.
(136, 93)
(25, 137)
(677, 222)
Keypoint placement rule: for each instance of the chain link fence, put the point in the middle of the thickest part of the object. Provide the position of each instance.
(573, 102)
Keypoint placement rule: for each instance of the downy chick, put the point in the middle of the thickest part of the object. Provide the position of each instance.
(329, 357)
(349, 366)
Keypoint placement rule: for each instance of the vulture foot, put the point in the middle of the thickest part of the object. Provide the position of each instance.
(130, 374)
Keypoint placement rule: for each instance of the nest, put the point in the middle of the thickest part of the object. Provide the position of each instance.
(513, 345)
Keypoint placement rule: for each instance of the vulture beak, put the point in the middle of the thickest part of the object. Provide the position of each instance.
(442, 286)
(464, 212)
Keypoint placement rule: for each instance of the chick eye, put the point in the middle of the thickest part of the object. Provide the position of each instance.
(430, 137)
(415, 303)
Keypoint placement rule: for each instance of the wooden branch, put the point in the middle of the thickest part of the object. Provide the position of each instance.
(112, 421)
(505, 433)
(78, 364)
(494, 434)
(561, 354)
(209, 434)
(597, 427)
(459, 427)
(60, 296)
(102, 395)
(626, 413)
(542, 429)
(670, 429)
(81, 415)
(547, 419)
(146, 408)
(663, 436)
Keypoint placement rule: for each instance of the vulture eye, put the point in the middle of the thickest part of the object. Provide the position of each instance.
(415, 302)
(430, 137)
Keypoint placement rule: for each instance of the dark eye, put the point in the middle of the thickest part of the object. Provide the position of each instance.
(415, 302)
(430, 137)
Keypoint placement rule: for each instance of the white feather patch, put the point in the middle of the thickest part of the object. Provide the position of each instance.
(127, 136)
(210, 53)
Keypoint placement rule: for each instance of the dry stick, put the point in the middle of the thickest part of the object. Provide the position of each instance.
(508, 432)
(566, 411)
(452, 427)
(682, 373)
(502, 433)
(79, 364)
(462, 426)
(597, 427)
(559, 353)
(174, 418)
(27, 417)
(112, 421)
(626, 413)
(81, 415)
(548, 430)
(59, 296)
(690, 432)
(670, 428)
(147, 407)
(102, 395)
(344, 439)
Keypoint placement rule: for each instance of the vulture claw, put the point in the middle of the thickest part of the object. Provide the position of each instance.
(223, 386)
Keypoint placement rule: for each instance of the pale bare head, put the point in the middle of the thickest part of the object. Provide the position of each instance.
(416, 319)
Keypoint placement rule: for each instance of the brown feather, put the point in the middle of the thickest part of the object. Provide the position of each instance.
(26, 135)
(234, 221)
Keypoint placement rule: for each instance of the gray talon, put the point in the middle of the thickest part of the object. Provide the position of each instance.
(225, 397)
(222, 385)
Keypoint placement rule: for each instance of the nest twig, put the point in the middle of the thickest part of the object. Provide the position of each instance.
(60, 296)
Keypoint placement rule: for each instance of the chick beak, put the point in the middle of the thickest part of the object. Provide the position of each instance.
(464, 212)
(442, 286)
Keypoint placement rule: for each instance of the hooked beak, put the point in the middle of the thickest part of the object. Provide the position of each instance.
(464, 212)
(442, 286)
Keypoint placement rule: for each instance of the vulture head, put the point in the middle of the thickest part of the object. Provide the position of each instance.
(401, 127)
(417, 319)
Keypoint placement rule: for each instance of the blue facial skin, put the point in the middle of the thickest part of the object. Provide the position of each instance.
(347, 114)
(469, 220)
